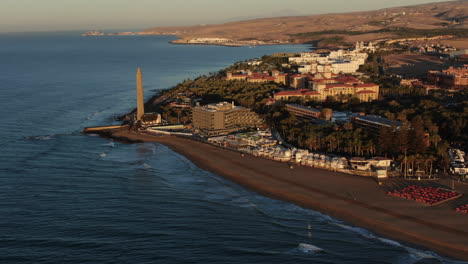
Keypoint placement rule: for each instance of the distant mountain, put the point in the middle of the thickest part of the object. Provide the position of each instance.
(434, 18)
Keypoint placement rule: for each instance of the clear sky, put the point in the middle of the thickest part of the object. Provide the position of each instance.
(50, 15)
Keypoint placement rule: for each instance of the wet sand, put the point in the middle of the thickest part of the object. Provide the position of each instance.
(358, 200)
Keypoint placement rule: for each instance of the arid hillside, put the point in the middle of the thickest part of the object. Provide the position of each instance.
(433, 19)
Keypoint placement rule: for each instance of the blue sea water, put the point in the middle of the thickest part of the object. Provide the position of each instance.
(70, 198)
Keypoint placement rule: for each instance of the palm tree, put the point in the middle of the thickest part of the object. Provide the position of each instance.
(430, 159)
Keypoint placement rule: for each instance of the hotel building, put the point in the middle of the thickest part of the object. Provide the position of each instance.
(323, 89)
(259, 77)
(223, 118)
(452, 78)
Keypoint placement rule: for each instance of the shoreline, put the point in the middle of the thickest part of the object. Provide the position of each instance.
(181, 41)
(357, 200)
(184, 41)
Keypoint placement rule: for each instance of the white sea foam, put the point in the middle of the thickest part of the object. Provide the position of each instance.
(413, 255)
(110, 144)
(102, 155)
(40, 138)
(309, 248)
(421, 254)
(369, 235)
(389, 242)
(361, 231)
(408, 259)
(93, 115)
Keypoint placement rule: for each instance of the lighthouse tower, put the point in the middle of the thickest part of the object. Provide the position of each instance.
(140, 98)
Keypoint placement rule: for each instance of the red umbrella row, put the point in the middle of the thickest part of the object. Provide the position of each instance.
(462, 209)
(428, 195)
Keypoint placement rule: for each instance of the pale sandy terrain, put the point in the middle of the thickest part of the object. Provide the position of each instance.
(457, 43)
(413, 65)
(358, 200)
(427, 16)
(367, 37)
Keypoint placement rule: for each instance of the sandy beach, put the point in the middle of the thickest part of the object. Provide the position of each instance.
(355, 199)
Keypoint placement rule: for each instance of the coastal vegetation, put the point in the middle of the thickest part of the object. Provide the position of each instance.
(402, 32)
(430, 123)
(211, 89)
(327, 38)
(267, 63)
(214, 88)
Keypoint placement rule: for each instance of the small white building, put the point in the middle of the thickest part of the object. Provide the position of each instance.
(345, 66)
(458, 53)
(381, 173)
(381, 162)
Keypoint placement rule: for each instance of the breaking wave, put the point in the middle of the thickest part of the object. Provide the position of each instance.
(309, 248)
(413, 255)
(110, 144)
(39, 138)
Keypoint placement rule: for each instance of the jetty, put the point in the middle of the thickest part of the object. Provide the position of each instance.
(97, 129)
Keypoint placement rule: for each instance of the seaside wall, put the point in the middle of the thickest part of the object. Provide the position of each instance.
(101, 128)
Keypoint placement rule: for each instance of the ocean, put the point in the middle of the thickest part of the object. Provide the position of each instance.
(70, 198)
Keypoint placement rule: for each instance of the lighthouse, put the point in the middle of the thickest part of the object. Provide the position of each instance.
(140, 98)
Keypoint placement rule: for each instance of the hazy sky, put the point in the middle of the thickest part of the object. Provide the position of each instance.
(49, 15)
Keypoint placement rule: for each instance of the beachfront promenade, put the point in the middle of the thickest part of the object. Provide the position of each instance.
(358, 200)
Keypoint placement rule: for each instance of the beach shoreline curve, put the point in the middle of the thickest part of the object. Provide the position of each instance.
(355, 199)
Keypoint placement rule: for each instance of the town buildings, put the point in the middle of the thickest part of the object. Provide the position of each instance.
(458, 165)
(340, 61)
(321, 116)
(459, 53)
(360, 46)
(304, 111)
(320, 76)
(151, 119)
(340, 88)
(316, 86)
(223, 118)
(373, 124)
(452, 78)
(259, 77)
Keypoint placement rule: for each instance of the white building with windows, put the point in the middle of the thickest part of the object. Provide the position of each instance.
(341, 61)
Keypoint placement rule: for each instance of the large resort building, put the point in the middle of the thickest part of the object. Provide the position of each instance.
(304, 111)
(340, 61)
(318, 78)
(223, 118)
(259, 77)
(373, 124)
(318, 86)
(452, 78)
(340, 88)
